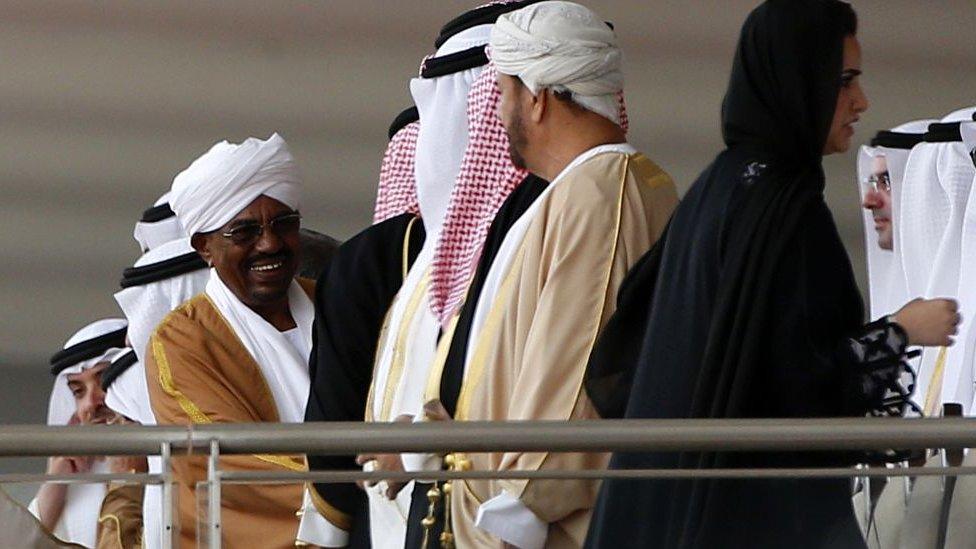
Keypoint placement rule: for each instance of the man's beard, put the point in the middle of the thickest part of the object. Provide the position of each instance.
(517, 141)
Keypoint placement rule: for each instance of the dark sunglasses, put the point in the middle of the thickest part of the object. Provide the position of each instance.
(248, 233)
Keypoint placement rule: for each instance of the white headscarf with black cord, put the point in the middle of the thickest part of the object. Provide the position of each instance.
(101, 341)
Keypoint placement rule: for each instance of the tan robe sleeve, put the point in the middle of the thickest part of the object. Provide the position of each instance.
(574, 256)
(120, 520)
(198, 373)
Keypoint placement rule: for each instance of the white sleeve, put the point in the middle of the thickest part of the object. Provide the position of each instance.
(507, 518)
(413, 463)
(316, 530)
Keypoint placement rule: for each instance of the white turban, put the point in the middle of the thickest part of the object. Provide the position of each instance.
(222, 182)
(562, 46)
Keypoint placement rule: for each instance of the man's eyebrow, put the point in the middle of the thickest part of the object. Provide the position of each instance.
(243, 221)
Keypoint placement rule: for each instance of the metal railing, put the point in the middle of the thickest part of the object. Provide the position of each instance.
(736, 435)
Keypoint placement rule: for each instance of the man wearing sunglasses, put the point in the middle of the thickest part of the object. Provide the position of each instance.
(238, 352)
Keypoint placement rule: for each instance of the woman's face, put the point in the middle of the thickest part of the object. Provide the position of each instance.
(851, 101)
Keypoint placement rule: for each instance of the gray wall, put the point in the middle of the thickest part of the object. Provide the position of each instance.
(102, 103)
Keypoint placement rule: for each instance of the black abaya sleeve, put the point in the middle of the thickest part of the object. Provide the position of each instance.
(351, 300)
(821, 364)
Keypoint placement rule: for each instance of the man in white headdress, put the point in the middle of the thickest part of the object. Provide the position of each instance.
(351, 301)
(168, 273)
(158, 225)
(239, 351)
(553, 283)
(120, 520)
(935, 207)
(71, 512)
(881, 172)
(408, 342)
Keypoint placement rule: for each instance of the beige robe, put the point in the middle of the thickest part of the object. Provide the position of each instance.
(530, 355)
(199, 372)
(120, 519)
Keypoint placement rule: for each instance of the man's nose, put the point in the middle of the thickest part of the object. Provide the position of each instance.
(871, 200)
(90, 405)
(269, 241)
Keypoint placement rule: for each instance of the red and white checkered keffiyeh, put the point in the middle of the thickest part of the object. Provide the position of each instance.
(397, 192)
(486, 178)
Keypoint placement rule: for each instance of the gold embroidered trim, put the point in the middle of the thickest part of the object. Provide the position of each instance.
(935, 383)
(254, 363)
(475, 371)
(194, 412)
(398, 359)
(330, 513)
(169, 387)
(406, 247)
(440, 359)
(118, 527)
(596, 332)
(370, 397)
(477, 367)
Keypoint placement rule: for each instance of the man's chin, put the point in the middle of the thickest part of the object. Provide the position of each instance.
(886, 244)
(267, 295)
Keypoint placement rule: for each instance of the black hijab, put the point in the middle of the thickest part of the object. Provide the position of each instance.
(740, 308)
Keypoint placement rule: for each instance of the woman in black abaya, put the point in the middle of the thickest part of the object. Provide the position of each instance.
(748, 307)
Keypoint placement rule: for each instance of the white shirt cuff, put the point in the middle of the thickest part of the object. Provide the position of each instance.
(316, 530)
(421, 462)
(507, 518)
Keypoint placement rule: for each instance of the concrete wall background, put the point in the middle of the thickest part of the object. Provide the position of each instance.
(101, 104)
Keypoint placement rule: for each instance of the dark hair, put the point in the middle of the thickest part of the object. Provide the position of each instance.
(566, 97)
(846, 17)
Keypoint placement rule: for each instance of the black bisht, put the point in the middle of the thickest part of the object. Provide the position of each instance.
(351, 300)
(743, 309)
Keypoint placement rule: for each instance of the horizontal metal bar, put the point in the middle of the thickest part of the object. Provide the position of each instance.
(81, 478)
(78, 440)
(531, 436)
(241, 477)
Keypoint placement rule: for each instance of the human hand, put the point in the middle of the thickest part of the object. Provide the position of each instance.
(434, 411)
(386, 462)
(69, 465)
(930, 322)
(128, 464)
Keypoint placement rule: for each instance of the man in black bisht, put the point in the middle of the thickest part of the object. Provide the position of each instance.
(748, 308)
(351, 299)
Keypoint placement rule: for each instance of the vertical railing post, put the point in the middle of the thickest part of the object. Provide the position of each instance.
(213, 496)
(167, 489)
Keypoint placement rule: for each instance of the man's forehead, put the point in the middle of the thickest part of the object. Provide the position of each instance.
(261, 205)
(88, 373)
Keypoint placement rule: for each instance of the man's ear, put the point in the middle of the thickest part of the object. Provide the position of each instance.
(539, 104)
(201, 244)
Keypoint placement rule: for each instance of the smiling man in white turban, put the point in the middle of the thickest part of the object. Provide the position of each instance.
(238, 352)
(554, 281)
